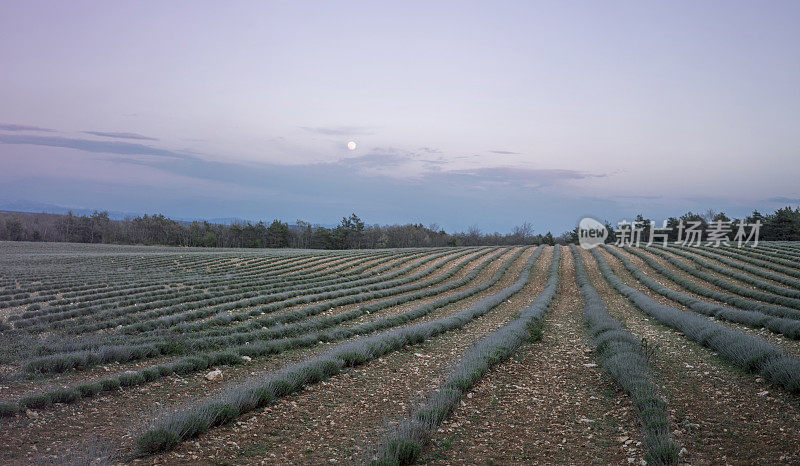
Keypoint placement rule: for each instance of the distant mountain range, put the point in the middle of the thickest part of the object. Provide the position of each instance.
(40, 207)
(24, 206)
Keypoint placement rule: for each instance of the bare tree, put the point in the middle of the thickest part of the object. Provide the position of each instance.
(709, 215)
(523, 232)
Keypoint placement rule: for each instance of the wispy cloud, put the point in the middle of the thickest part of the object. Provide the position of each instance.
(437, 161)
(511, 177)
(782, 199)
(15, 127)
(395, 162)
(377, 185)
(120, 135)
(402, 166)
(375, 160)
(339, 130)
(107, 147)
(504, 152)
(636, 196)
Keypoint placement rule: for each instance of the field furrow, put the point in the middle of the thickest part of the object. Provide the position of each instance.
(720, 413)
(453, 355)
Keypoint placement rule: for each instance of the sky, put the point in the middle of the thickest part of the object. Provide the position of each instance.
(463, 114)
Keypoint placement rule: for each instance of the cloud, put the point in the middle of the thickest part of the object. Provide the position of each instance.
(512, 174)
(637, 196)
(510, 177)
(400, 165)
(418, 167)
(106, 147)
(784, 200)
(375, 160)
(504, 152)
(120, 135)
(339, 130)
(181, 185)
(14, 127)
(394, 162)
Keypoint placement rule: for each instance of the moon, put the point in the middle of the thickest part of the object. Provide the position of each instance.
(351, 145)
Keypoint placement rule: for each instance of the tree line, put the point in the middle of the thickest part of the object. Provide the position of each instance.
(350, 233)
(781, 225)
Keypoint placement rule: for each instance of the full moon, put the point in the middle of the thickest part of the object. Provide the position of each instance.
(351, 145)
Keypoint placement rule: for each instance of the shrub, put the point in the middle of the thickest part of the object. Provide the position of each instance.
(110, 384)
(8, 409)
(404, 451)
(222, 413)
(151, 373)
(228, 357)
(36, 401)
(65, 396)
(721, 256)
(745, 351)
(738, 290)
(188, 421)
(89, 389)
(128, 380)
(622, 356)
(731, 271)
(404, 445)
(155, 441)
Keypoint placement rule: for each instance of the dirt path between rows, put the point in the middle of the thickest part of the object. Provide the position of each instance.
(340, 419)
(790, 346)
(737, 258)
(721, 276)
(13, 389)
(546, 405)
(721, 414)
(720, 264)
(112, 417)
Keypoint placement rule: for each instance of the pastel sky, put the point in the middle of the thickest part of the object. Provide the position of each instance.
(464, 113)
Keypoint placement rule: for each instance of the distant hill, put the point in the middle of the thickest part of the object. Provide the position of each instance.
(23, 206)
(41, 207)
